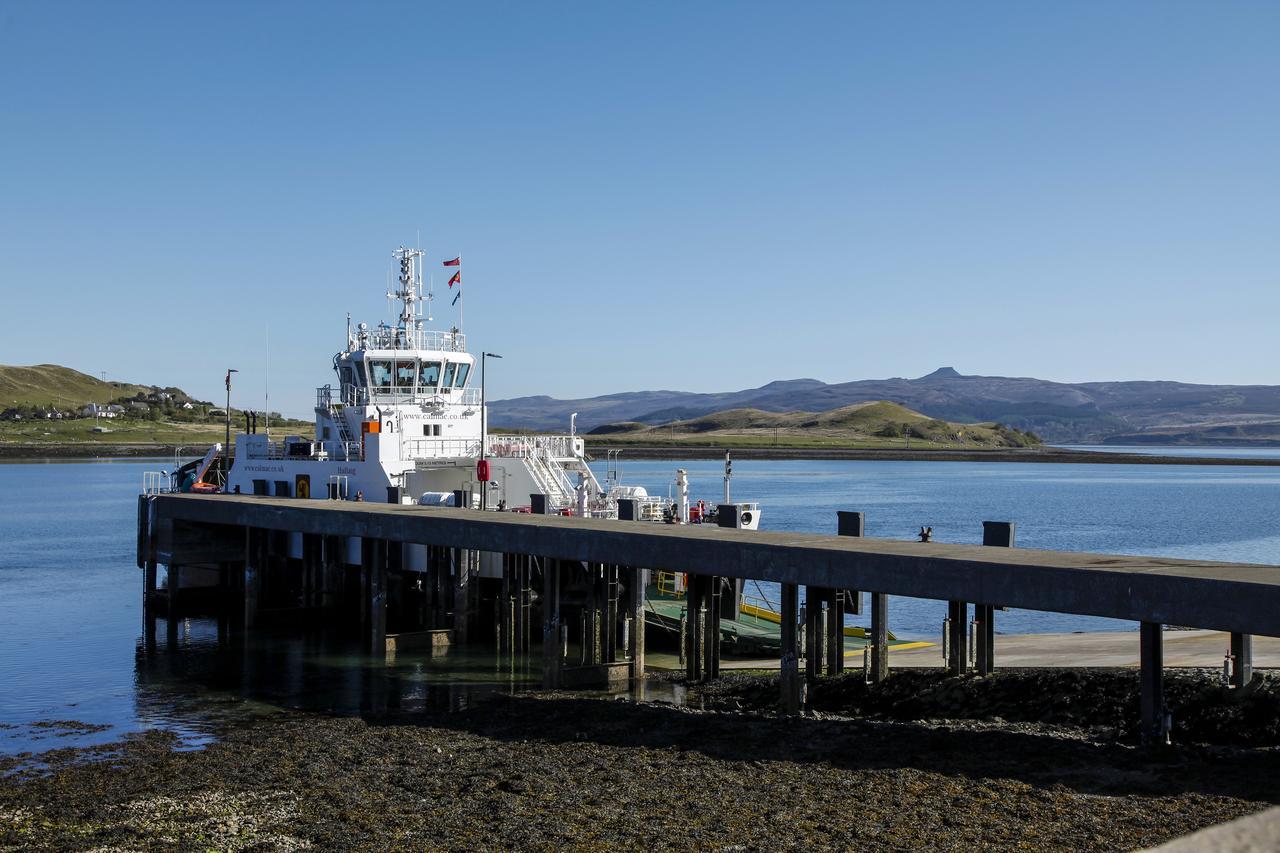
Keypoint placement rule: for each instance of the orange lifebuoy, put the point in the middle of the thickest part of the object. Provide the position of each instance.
(204, 488)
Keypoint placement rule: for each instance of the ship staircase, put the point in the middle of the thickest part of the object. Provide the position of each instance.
(325, 405)
(552, 462)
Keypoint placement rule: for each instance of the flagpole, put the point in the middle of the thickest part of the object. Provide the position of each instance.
(462, 300)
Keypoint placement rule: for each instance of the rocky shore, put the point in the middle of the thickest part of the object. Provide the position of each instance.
(554, 770)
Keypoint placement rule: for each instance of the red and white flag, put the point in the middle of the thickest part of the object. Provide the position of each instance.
(457, 279)
(456, 262)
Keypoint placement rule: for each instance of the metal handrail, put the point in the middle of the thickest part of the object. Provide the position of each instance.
(436, 448)
(402, 339)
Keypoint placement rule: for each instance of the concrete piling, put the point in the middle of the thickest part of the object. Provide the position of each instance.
(957, 642)
(1241, 659)
(1151, 680)
(999, 534)
(552, 647)
(255, 558)
(713, 587)
(639, 580)
(789, 678)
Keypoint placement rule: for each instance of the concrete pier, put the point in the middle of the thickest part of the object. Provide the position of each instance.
(590, 573)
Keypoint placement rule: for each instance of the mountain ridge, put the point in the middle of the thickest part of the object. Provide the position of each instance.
(1142, 411)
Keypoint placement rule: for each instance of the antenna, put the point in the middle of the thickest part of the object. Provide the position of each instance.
(266, 387)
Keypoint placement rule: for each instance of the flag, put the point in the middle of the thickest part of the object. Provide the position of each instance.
(456, 296)
(456, 262)
(457, 279)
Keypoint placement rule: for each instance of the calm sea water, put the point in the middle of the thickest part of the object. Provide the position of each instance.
(70, 592)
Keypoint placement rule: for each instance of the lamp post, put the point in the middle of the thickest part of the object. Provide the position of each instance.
(484, 434)
(226, 447)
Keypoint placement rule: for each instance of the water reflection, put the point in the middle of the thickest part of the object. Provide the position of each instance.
(198, 676)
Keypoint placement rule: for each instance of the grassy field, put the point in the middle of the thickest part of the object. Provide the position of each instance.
(873, 425)
(131, 431)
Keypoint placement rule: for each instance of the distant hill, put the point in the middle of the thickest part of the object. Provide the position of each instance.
(45, 405)
(870, 424)
(1117, 412)
(54, 385)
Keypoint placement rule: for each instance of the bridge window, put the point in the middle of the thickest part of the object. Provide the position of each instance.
(380, 375)
(405, 371)
(463, 370)
(429, 375)
(448, 374)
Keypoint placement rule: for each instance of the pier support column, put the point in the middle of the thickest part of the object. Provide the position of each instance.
(1241, 659)
(835, 632)
(814, 641)
(1151, 678)
(551, 648)
(999, 534)
(879, 636)
(334, 548)
(711, 628)
(957, 637)
(612, 607)
(149, 585)
(639, 581)
(462, 563)
(373, 570)
(255, 560)
(505, 607)
(847, 524)
(312, 563)
(789, 678)
(695, 621)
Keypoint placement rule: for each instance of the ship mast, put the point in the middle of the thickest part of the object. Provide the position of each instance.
(410, 292)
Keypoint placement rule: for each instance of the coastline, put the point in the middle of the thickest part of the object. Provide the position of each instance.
(906, 766)
(35, 452)
(1044, 455)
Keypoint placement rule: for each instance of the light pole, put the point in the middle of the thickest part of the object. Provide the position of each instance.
(226, 447)
(484, 435)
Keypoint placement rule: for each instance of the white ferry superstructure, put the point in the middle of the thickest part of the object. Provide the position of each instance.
(406, 421)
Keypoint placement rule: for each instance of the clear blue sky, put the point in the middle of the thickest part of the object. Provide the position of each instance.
(693, 196)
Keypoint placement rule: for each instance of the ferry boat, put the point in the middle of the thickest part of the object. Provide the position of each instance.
(406, 422)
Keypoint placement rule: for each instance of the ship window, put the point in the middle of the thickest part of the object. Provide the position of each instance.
(448, 374)
(345, 375)
(405, 371)
(463, 370)
(429, 376)
(380, 375)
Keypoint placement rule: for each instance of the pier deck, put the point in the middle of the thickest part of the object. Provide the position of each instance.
(596, 570)
(1238, 597)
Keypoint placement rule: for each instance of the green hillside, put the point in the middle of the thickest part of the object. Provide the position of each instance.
(879, 423)
(54, 385)
(43, 405)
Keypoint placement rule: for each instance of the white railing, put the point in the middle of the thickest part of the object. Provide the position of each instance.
(442, 448)
(352, 395)
(157, 482)
(384, 338)
(265, 450)
(528, 446)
